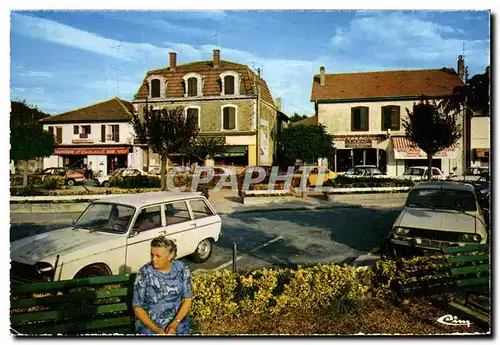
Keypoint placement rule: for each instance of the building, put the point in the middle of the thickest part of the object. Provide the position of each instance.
(98, 136)
(365, 111)
(223, 97)
(480, 140)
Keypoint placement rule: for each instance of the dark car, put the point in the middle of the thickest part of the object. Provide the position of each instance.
(70, 176)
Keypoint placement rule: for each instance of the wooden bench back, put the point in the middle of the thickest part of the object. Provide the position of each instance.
(469, 266)
(94, 305)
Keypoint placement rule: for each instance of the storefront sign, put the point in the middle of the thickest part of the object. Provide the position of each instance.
(91, 151)
(418, 153)
(358, 143)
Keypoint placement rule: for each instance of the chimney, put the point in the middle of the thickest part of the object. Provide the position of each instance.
(460, 67)
(173, 61)
(322, 75)
(216, 58)
(278, 103)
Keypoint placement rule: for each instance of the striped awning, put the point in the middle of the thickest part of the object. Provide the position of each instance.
(404, 148)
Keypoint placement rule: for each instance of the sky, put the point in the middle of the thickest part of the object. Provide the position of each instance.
(63, 60)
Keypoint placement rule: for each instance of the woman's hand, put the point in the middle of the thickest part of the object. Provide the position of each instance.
(159, 330)
(171, 328)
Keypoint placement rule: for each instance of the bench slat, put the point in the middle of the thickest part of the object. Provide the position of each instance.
(465, 249)
(80, 328)
(468, 258)
(63, 284)
(470, 269)
(18, 319)
(76, 296)
(473, 282)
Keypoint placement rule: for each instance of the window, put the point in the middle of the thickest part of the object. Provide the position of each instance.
(200, 209)
(359, 119)
(390, 118)
(229, 117)
(155, 88)
(58, 135)
(110, 133)
(229, 85)
(447, 199)
(193, 114)
(435, 172)
(192, 86)
(76, 129)
(176, 213)
(149, 218)
(106, 217)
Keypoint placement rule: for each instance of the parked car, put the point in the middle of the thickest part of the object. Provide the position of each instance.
(364, 171)
(113, 235)
(104, 180)
(472, 174)
(70, 176)
(419, 173)
(438, 214)
(314, 173)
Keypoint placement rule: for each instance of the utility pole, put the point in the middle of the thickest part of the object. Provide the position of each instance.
(117, 46)
(258, 117)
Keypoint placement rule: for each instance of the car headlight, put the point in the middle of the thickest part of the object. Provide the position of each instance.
(471, 238)
(402, 231)
(44, 268)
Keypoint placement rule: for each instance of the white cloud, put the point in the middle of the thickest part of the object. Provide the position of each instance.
(36, 74)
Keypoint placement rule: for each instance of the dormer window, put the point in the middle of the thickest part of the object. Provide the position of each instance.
(157, 86)
(193, 85)
(230, 83)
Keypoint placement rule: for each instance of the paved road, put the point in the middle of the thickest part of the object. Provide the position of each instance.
(266, 239)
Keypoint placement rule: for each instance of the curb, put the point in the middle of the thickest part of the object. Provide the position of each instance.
(298, 208)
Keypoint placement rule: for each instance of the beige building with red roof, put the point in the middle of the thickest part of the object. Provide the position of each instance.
(222, 96)
(99, 136)
(365, 111)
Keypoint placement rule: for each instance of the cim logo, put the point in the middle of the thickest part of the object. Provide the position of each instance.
(451, 320)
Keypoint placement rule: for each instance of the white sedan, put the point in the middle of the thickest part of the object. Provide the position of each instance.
(419, 173)
(113, 236)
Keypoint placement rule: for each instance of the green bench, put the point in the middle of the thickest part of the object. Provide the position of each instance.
(94, 305)
(469, 268)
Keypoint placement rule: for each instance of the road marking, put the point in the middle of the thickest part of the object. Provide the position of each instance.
(224, 265)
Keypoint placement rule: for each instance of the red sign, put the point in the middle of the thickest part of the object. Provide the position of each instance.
(91, 151)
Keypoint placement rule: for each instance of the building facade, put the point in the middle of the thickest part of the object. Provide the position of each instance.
(365, 112)
(226, 98)
(98, 137)
(480, 141)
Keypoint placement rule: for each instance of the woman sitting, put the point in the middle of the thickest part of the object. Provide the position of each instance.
(162, 292)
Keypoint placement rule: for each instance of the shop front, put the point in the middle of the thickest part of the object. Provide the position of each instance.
(352, 150)
(406, 154)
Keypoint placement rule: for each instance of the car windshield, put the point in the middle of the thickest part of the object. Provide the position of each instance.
(446, 199)
(106, 217)
(414, 171)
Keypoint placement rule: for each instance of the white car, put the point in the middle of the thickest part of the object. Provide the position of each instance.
(419, 173)
(438, 214)
(365, 171)
(113, 236)
(103, 181)
(473, 174)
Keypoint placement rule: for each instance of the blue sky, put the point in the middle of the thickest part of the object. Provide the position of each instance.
(62, 60)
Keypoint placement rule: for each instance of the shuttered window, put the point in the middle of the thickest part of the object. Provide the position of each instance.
(103, 133)
(75, 130)
(116, 133)
(229, 118)
(391, 117)
(229, 85)
(155, 88)
(58, 135)
(193, 115)
(192, 87)
(359, 119)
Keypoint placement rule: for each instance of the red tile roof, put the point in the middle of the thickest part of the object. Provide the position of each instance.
(385, 84)
(212, 84)
(114, 109)
(311, 120)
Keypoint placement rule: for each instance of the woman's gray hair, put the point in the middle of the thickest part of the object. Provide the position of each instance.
(168, 245)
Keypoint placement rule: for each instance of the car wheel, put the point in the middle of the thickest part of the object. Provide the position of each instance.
(93, 271)
(105, 184)
(203, 251)
(70, 182)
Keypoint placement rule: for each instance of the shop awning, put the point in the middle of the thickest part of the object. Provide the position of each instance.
(480, 153)
(404, 148)
(234, 151)
(62, 151)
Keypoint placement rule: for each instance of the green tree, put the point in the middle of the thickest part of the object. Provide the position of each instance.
(166, 131)
(296, 117)
(431, 128)
(28, 140)
(306, 143)
(206, 148)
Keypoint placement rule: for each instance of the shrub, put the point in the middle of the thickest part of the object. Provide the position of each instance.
(27, 191)
(344, 181)
(53, 182)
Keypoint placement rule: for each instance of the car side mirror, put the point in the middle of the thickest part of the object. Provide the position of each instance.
(73, 222)
(135, 232)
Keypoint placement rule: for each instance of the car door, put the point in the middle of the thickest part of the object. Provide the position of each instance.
(208, 223)
(146, 226)
(179, 226)
(436, 174)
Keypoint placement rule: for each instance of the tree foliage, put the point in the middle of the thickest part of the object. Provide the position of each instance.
(27, 137)
(296, 117)
(166, 131)
(431, 128)
(306, 143)
(207, 147)
(475, 95)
